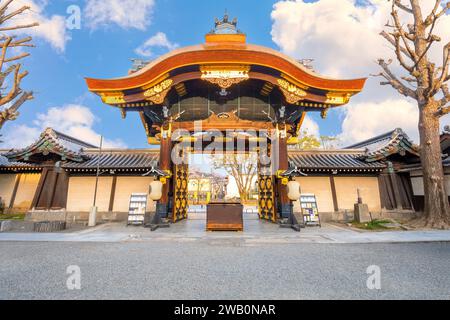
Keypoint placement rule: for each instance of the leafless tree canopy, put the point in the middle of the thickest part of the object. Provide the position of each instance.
(412, 43)
(11, 74)
(427, 83)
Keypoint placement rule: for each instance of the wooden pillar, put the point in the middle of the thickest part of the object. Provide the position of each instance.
(334, 194)
(39, 188)
(397, 196)
(284, 203)
(112, 194)
(165, 163)
(59, 199)
(14, 193)
(50, 188)
(394, 183)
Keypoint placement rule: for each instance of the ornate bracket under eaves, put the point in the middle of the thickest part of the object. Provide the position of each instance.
(157, 93)
(338, 98)
(292, 93)
(112, 97)
(225, 75)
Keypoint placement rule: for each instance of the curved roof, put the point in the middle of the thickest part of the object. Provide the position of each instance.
(51, 141)
(390, 143)
(225, 53)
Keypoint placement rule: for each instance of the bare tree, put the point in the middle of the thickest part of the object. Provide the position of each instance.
(426, 83)
(12, 97)
(242, 167)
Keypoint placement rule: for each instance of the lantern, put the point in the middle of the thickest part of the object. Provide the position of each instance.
(155, 190)
(293, 190)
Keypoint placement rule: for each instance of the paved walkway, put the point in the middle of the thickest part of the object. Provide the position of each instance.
(255, 232)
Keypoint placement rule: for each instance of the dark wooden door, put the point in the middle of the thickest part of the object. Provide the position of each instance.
(180, 192)
(266, 197)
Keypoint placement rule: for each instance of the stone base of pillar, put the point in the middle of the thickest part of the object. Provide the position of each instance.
(290, 219)
(162, 209)
(286, 211)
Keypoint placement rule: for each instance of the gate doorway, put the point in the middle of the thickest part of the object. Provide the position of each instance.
(237, 176)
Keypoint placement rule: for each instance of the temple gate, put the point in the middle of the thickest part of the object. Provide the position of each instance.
(207, 97)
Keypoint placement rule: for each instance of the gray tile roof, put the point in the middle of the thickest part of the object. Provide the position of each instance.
(117, 159)
(382, 146)
(332, 160)
(6, 164)
(51, 141)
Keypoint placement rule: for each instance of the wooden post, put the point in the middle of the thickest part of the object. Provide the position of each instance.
(112, 194)
(14, 193)
(334, 194)
(51, 188)
(394, 183)
(40, 188)
(165, 163)
(285, 204)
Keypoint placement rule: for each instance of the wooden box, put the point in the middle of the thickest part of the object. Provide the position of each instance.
(223, 216)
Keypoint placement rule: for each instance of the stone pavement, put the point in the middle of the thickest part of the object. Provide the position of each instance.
(255, 232)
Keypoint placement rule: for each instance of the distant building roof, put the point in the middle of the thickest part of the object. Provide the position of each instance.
(5, 164)
(328, 160)
(390, 143)
(51, 141)
(117, 159)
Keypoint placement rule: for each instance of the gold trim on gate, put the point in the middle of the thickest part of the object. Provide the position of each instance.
(338, 98)
(292, 93)
(225, 75)
(158, 92)
(114, 97)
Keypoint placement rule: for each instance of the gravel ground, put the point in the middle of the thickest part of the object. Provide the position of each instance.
(223, 269)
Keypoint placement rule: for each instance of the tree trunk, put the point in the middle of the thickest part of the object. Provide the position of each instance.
(436, 212)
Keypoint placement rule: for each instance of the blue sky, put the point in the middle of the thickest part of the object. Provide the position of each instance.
(57, 78)
(327, 31)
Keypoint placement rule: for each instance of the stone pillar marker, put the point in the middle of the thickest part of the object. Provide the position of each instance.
(362, 214)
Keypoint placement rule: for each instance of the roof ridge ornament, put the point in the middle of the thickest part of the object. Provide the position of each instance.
(225, 26)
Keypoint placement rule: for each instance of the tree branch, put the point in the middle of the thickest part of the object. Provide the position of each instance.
(395, 41)
(24, 26)
(11, 113)
(394, 81)
(435, 16)
(446, 95)
(401, 33)
(14, 13)
(399, 5)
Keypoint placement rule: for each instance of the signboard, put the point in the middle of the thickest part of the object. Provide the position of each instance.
(138, 206)
(308, 203)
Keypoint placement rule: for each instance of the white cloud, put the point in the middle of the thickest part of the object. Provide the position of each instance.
(74, 120)
(51, 29)
(343, 39)
(18, 136)
(311, 127)
(124, 13)
(159, 40)
(368, 119)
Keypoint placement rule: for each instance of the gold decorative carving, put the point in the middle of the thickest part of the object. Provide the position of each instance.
(338, 98)
(158, 92)
(225, 75)
(292, 93)
(267, 89)
(324, 113)
(114, 97)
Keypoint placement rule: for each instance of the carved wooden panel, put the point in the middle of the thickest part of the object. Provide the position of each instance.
(266, 191)
(180, 192)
